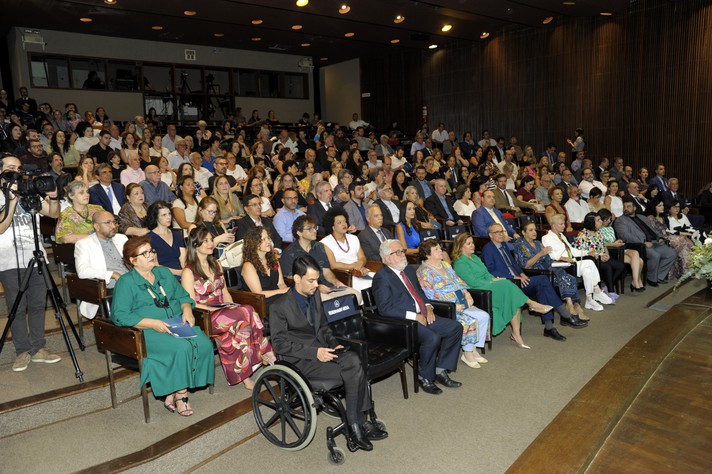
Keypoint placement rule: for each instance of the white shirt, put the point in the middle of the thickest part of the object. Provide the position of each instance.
(170, 144)
(175, 159)
(559, 246)
(484, 144)
(462, 210)
(343, 252)
(202, 176)
(115, 144)
(438, 136)
(288, 144)
(354, 124)
(395, 212)
(114, 202)
(576, 210)
(130, 175)
(585, 187)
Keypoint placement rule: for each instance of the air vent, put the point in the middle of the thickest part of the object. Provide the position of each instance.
(190, 55)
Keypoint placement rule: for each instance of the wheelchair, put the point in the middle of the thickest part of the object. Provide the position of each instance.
(286, 404)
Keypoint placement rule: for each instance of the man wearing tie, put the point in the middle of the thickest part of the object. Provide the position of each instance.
(672, 195)
(505, 198)
(324, 195)
(106, 193)
(486, 214)
(634, 195)
(373, 235)
(660, 180)
(452, 166)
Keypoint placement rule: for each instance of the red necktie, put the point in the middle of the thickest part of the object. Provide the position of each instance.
(414, 293)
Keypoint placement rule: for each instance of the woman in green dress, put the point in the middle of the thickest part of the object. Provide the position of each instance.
(145, 298)
(507, 298)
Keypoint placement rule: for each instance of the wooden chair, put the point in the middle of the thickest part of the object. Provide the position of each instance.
(64, 258)
(90, 290)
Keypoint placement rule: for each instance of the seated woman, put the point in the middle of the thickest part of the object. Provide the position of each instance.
(556, 195)
(631, 256)
(185, 207)
(507, 298)
(186, 169)
(464, 206)
(343, 249)
(75, 222)
(425, 219)
(595, 200)
(208, 216)
(260, 265)
(256, 186)
(440, 282)
(145, 298)
(407, 228)
(85, 171)
(168, 243)
(132, 216)
(398, 182)
(591, 239)
(678, 223)
(237, 328)
(680, 243)
(229, 206)
(612, 201)
(530, 253)
(562, 251)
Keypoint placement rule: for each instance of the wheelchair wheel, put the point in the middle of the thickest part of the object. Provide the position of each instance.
(337, 457)
(283, 406)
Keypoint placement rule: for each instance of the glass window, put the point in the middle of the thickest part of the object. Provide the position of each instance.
(246, 83)
(269, 84)
(295, 86)
(88, 73)
(49, 72)
(124, 77)
(188, 81)
(157, 78)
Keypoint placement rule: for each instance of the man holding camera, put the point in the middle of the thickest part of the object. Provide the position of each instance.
(17, 244)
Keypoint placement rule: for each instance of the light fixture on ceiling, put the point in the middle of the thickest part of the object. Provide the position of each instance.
(86, 20)
(446, 28)
(256, 22)
(349, 34)
(344, 8)
(433, 46)
(548, 20)
(302, 3)
(296, 27)
(395, 41)
(157, 28)
(256, 39)
(399, 19)
(110, 2)
(606, 14)
(190, 13)
(306, 45)
(484, 35)
(218, 35)
(568, 4)
(323, 59)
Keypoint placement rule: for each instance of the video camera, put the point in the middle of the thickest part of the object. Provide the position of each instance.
(29, 182)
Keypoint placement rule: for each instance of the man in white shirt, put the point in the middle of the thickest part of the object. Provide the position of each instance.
(486, 141)
(115, 143)
(133, 172)
(285, 141)
(508, 158)
(389, 210)
(201, 175)
(588, 182)
(170, 139)
(439, 136)
(576, 207)
(372, 160)
(180, 155)
(356, 122)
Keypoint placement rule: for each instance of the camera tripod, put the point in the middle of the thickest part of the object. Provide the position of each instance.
(59, 305)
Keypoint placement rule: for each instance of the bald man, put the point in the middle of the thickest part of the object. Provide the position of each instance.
(153, 188)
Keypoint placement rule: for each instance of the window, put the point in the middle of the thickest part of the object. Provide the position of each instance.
(269, 84)
(295, 86)
(124, 77)
(49, 72)
(246, 83)
(88, 73)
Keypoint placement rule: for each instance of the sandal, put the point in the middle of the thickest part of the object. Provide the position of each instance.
(188, 411)
(171, 407)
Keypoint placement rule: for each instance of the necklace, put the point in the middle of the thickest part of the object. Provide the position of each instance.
(86, 218)
(348, 247)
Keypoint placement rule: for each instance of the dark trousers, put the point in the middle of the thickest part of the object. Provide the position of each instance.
(610, 272)
(541, 290)
(346, 369)
(439, 346)
(29, 324)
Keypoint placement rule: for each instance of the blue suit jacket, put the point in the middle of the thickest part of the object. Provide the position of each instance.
(481, 220)
(392, 297)
(97, 195)
(658, 181)
(495, 263)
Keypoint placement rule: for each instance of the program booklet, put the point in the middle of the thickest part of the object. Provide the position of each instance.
(180, 329)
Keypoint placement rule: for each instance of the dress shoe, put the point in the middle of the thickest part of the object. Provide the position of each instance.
(444, 379)
(429, 387)
(574, 322)
(662, 282)
(473, 364)
(521, 346)
(373, 432)
(554, 334)
(653, 283)
(358, 439)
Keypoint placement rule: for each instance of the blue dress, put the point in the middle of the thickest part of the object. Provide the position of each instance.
(168, 255)
(567, 284)
(412, 240)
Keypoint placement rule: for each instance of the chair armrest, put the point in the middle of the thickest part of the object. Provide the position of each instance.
(91, 290)
(202, 320)
(391, 331)
(443, 309)
(530, 272)
(359, 347)
(343, 276)
(126, 341)
(482, 299)
(256, 300)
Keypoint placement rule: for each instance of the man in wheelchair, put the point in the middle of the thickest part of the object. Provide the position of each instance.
(301, 335)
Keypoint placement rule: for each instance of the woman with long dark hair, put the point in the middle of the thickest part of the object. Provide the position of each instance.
(168, 243)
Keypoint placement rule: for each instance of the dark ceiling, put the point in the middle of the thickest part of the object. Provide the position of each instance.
(323, 27)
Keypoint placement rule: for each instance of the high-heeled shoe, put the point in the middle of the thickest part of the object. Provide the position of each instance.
(634, 289)
(521, 346)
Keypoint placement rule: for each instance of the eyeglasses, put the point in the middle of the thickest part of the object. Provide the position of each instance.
(147, 253)
(211, 212)
(497, 232)
(309, 229)
(398, 252)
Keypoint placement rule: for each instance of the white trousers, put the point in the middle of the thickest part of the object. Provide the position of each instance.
(587, 270)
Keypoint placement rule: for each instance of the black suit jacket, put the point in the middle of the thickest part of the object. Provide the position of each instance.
(292, 337)
(246, 223)
(370, 243)
(97, 195)
(668, 198)
(435, 207)
(387, 216)
(392, 297)
(638, 207)
(317, 210)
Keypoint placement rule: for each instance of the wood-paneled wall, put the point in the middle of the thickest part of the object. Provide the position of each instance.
(638, 83)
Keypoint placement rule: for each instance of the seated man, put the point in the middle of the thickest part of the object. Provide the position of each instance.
(505, 198)
(389, 209)
(301, 335)
(373, 235)
(108, 194)
(486, 214)
(500, 263)
(100, 256)
(439, 205)
(287, 214)
(253, 218)
(576, 207)
(154, 189)
(589, 182)
(398, 295)
(633, 227)
(354, 207)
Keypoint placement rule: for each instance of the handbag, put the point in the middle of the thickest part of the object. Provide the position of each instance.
(232, 255)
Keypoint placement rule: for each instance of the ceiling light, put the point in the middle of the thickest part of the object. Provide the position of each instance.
(323, 59)
(399, 19)
(568, 4)
(256, 39)
(606, 14)
(157, 28)
(548, 20)
(344, 9)
(446, 28)
(484, 35)
(110, 2)
(432, 46)
(394, 41)
(190, 13)
(218, 35)
(306, 45)
(256, 22)
(349, 34)
(302, 3)
(85, 20)
(296, 27)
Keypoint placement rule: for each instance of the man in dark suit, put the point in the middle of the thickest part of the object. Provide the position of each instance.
(486, 214)
(659, 179)
(301, 335)
(107, 193)
(324, 202)
(399, 295)
(633, 193)
(500, 263)
(673, 194)
(389, 209)
(421, 185)
(439, 205)
(254, 218)
(373, 235)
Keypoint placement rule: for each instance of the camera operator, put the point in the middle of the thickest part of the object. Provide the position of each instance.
(17, 246)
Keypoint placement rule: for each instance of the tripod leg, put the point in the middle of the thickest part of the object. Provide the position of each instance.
(60, 307)
(77, 371)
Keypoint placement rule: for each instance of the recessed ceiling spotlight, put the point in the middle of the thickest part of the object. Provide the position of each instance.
(256, 39)
(302, 3)
(296, 27)
(568, 4)
(157, 28)
(433, 46)
(344, 9)
(86, 20)
(190, 13)
(349, 34)
(395, 41)
(256, 22)
(218, 35)
(446, 28)
(484, 35)
(399, 19)
(548, 20)
(323, 59)
(606, 14)
(110, 2)
(306, 45)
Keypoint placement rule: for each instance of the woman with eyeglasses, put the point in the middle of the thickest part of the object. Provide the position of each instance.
(208, 216)
(236, 328)
(75, 222)
(145, 298)
(168, 242)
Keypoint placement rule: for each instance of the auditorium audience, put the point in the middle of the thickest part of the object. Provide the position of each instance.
(590, 239)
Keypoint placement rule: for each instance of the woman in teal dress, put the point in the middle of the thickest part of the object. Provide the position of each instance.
(507, 298)
(145, 298)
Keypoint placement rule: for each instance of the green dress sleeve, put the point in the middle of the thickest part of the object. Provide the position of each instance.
(123, 301)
